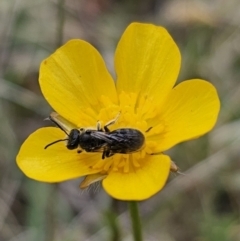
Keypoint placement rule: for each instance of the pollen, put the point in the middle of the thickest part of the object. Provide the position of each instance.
(129, 112)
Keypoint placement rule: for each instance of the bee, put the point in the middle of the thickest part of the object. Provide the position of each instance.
(123, 140)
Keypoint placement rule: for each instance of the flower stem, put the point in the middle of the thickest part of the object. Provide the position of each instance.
(136, 223)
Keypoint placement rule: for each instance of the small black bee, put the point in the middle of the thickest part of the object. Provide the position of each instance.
(123, 140)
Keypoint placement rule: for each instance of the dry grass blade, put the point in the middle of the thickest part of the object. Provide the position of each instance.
(21, 96)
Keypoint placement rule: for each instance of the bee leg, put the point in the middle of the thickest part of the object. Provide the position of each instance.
(103, 154)
(111, 122)
(107, 153)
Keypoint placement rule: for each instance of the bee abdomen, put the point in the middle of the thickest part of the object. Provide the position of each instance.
(127, 140)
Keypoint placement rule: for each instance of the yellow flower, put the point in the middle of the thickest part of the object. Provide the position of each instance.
(78, 86)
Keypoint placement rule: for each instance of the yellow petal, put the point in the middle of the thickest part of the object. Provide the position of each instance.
(56, 163)
(147, 61)
(190, 111)
(74, 78)
(141, 184)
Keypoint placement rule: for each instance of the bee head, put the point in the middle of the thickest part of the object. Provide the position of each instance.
(73, 139)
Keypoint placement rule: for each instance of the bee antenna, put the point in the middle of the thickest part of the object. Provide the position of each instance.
(54, 143)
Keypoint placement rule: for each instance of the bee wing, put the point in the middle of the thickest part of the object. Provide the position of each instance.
(109, 137)
(102, 136)
(61, 122)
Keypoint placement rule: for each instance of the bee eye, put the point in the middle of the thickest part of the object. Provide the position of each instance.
(73, 140)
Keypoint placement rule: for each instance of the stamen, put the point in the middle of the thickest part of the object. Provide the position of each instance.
(126, 166)
(146, 108)
(122, 163)
(105, 100)
(107, 165)
(99, 165)
(148, 149)
(158, 129)
(124, 99)
(141, 125)
(116, 161)
(128, 117)
(135, 160)
(143, 154)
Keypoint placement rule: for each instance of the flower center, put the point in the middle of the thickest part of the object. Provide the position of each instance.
(135, 113)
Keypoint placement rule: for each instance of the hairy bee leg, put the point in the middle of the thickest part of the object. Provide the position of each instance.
(107, 153)
(103, 154)
(111, 122)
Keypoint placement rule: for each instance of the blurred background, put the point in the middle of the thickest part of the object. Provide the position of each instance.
(203, 204)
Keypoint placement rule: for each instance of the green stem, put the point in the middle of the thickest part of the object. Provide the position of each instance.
(136, 223)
